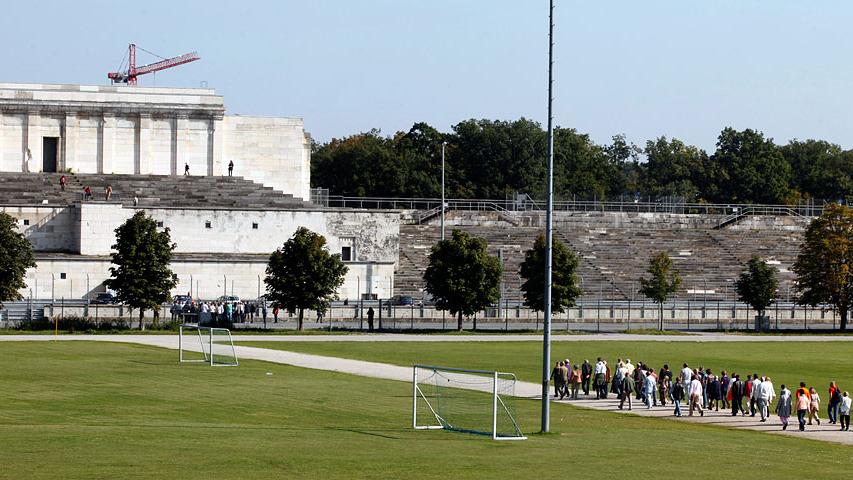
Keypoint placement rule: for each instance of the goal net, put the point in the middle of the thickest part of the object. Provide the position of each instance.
(463, 400)
(198, 344)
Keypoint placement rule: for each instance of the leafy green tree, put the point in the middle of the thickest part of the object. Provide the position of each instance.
(750, 168)
(564, 279)
(302, 274)
(757, 285)
(664, 282)
(360, 165)
(16, 256)
(824, 267)
(141, 276)
(461, 276)
(673, 168)
(820, 169)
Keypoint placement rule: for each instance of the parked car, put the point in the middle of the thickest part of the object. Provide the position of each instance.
(228, 298)
(104, 299)
(401, 300)
(182, 299)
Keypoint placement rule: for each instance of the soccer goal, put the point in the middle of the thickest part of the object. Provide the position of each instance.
(463, 400)
(197, 344)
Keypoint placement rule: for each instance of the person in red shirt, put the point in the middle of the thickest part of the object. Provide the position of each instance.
(62, 182)
(87, 193)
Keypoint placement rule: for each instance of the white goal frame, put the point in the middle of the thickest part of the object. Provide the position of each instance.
(206, 345)
(497, 403)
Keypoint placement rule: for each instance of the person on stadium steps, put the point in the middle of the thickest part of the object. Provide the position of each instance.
(814, 407)
(695, 394)
(62, 182)
(230, 167)
(108, 192)
(844, 411)
(586, 375)
(766, 394)
(834, 401)
(87, 193)
(803, 403)
(783, 407)
(186, 168)
(677, 396)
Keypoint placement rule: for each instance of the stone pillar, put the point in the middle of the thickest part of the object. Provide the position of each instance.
(107, 147)
(2, 143)
(32, 154)
(180, 143)
(214, 147)
(173, 130)
(70, 139)
(143, 150)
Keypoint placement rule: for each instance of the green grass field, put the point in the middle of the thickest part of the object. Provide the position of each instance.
(74, 410)
(815, 363)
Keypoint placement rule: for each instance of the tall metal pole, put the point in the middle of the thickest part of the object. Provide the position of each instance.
(443, 144)
(546, 340)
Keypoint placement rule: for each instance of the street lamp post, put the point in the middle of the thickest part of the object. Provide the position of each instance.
(443, 145)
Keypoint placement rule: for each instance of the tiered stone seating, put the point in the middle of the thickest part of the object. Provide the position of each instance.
(151, 191)
(613, 260)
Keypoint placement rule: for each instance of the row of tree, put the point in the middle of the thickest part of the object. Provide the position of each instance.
(461, 276)
(493, 159)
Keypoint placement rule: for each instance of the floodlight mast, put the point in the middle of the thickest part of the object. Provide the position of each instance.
(549, 213)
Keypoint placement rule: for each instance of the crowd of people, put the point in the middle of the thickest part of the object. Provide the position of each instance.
(224, 311)
(699, 390)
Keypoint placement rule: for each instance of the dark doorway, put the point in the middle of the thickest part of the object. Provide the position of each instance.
(49, 150)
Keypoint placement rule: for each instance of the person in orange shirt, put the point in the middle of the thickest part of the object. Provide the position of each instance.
(804, 402)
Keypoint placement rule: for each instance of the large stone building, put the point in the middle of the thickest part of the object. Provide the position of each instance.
(141, 130)
(137, 140)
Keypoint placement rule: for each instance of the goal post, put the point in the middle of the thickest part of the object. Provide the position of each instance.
(200, 344)
(465, 400)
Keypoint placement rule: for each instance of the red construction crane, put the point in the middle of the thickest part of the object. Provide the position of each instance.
(132, 72)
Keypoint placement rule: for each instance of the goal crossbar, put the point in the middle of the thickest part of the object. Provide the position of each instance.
(204, 336)
(485, 381)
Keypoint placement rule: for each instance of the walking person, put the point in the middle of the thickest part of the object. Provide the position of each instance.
(649, 389)
(738, 390)
(695, 393)
(766, 394)
(803, 405)
(627, 389)
(230, 167)
(370, 314)
(685, 376)
(575, 382)
(586, 374)
(600, 381)
(725, 384)
(834, 401)
(713, 391)
(186, 169)
(783, 407)
(62, 182)
(753, 393)
(664, 383)
(814, 407)
(844, 411)
(558, 375)
(677, 396)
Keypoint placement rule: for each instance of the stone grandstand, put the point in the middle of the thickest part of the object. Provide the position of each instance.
(613, 259)
(151, 191)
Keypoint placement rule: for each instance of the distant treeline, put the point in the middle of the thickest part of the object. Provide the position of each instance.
(491, 159)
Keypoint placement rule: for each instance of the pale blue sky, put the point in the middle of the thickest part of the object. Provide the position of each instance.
(643, 68)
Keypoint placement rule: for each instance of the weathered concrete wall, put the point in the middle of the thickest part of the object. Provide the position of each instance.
(272, 151)
(49, 229)
(206, 278)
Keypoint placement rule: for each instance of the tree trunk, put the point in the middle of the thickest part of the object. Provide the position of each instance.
(141, 322)
(660, 316)
(459, 321)
(299, 319)
(843, 324)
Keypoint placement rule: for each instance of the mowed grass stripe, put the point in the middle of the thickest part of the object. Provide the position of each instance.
(99, 410)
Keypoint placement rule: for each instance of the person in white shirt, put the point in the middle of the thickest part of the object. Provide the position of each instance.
(766, 394)
(686, 376)
(753, 397)
(695, 393)
(844, 411)
(629, 366)
(599, 378)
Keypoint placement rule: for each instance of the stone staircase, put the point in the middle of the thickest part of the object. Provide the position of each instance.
(152, 191)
